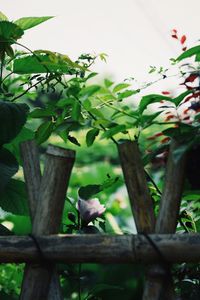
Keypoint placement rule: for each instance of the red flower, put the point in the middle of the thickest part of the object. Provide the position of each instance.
(191, 78)
(165, 93)
(183, 39)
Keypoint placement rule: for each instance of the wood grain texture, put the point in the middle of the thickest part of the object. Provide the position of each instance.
(136, 183)
(171, 196)
(161, 286)
(176, 248)
(49, 194)
(32, 173)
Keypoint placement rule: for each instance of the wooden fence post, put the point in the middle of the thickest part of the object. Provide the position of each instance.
(136, 183)
(161, 287)
(143, 213)
(46, 200)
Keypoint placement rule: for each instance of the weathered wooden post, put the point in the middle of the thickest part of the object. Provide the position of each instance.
(46, 201)
(161, 286)
(142, 207)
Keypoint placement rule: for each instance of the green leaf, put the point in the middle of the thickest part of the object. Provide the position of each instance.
(103, 56)
(44, 131)
(65, 102)
(88, 191)
(8, 167)
(76, 111)
(29, 22)
(89, 91)
(10, 32)
(12, 118)
(3, 17)
(14, 198)
(40, 63)
(91, 135)
(14, 146)
(146, 120)
(108, 83)
(180, 98)
(114, 130)
(190, 52)
(149, 99)
(41, 113)
(73, 140)
(127, 94)
(120, 87)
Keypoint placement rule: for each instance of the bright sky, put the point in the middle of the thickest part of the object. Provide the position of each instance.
(134, 33)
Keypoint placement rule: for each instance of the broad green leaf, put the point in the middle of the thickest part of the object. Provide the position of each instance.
(10, 32)
(22, 224)
(120, 87)
(14, 146)
(41, 113)
(65, 102)
(3, 17)
(149, 99)
(29, 22)
(188, 53)
(114, 130)
(40, 63)
(12, 118)
(97, 113)
(14, 198)
(89, 91)
(44, 131)
(127, 94)
(91, 135)
(76, 111)
(88, 191)
(8, 167)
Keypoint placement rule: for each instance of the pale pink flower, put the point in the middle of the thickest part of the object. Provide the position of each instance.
(90, 209)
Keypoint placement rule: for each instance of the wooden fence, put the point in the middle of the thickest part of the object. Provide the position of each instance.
(156, 243)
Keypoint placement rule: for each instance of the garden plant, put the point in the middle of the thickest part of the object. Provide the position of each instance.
(48, 97)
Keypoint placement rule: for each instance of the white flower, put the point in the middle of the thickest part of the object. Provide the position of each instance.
(90, 209)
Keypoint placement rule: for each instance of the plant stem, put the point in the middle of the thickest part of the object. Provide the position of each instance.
(22, 94)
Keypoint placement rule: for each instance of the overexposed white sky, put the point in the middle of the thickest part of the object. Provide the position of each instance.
(134, 33)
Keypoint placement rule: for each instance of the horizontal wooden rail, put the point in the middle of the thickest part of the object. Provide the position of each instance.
(175, 248)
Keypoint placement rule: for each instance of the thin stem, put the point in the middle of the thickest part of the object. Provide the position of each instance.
(153, 182)
(116, 109)
(22, 94)
(7, 76)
